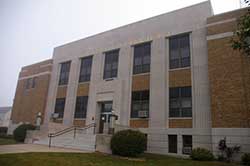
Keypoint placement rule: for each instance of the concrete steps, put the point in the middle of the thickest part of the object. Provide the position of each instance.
(86, 142)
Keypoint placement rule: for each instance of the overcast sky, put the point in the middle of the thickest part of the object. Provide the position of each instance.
(30, 29)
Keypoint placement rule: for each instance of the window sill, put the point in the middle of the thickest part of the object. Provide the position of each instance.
(86, 82)
(110, 79)
(139, 118)
(180, 118)
(139, 74)
(63, 85)
(182, 68)
(79, 118)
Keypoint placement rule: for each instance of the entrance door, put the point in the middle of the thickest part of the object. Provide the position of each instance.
(106, 108)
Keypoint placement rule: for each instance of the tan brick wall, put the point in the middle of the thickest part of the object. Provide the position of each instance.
(222, 28)
(180, 78)
(28, 102)
(139, 123)
(79, 122)
(83, 89)
(229, 85)
(61, 92)
(36, 68)
(180, 123)
(226, 16)
(141, 82)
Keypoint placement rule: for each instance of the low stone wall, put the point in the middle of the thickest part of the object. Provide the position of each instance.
(103, 143)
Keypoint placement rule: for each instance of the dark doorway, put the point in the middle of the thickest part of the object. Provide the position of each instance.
(106, 108)
(172, 143)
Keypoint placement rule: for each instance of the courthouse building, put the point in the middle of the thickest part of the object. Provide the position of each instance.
(174, 77)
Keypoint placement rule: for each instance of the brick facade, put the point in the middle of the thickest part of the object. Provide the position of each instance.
(29, 101)
(229, 75)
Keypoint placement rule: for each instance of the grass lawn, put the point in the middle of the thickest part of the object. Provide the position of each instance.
(95, 159)
(7, 141)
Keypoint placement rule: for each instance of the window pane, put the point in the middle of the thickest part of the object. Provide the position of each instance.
(186, 112)
(59, 107)
(111, 64)
(141, 58)
(140, 102)
(174, 63)
(187, 144)
(174, 103)
(179, 51)
(64, 73)
(85, 71)
(186, 102)
(174, 92)
(186, 91)
(174, 112)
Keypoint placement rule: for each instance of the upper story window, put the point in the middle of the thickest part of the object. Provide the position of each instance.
(180, 102)
(81, 107)
(30, 83)
(59, 107)
(142, 54)
(111, 64)
(179, 51)
(85, 71)
(64, 73)
(140, 104)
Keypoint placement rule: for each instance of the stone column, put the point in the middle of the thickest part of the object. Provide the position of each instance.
(69, 108)
(158, 84)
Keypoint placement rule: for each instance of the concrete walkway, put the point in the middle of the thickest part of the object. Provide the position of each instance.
(24, 148)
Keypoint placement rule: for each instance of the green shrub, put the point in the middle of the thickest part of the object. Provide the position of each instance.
(201, 154)
(20, 132)
(128, 143)
(245, 159)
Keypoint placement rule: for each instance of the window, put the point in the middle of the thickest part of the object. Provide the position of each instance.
(187, 144)
(111, 64)
(64, 73)
(33, 82)
(85, 71)
(179, 51)
(59, 108)
(172, 143)
(140, 104)
(81, 107)
(30, 83)
(142, 58)
(180, 102)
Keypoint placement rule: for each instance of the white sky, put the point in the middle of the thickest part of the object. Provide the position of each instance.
(30, 29)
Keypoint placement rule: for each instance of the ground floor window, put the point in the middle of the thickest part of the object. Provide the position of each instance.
(59, 107)
(81, 107)
(180, 102)
(140, 104)
(172, 143)
(187, 144)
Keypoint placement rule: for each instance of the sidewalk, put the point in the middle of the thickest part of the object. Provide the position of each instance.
(24, 148)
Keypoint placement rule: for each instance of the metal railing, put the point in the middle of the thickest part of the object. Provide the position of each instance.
(67, 130)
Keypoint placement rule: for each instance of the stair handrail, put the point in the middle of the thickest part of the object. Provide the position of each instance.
(64, 131)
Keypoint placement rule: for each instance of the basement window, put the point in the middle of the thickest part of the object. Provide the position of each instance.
(187, 144)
